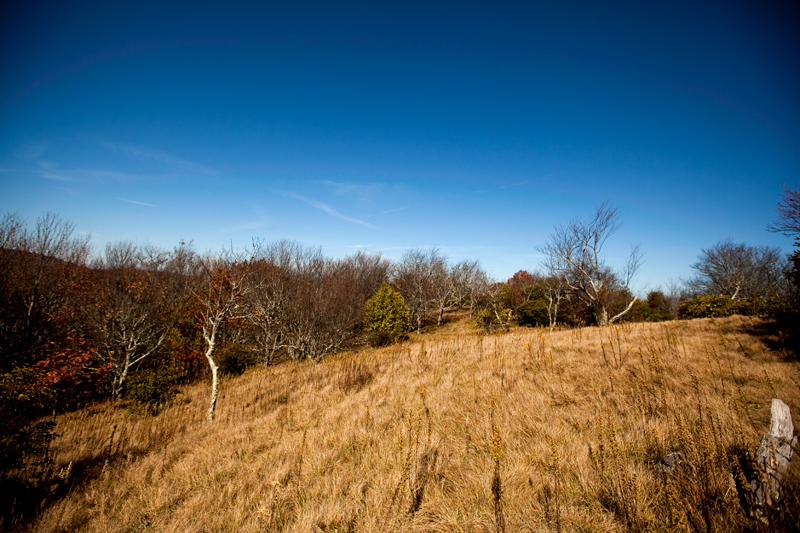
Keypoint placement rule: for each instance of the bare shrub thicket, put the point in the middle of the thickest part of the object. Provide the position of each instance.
(139, 293)
(469, 282)
(421, 277)
(327, 305)
(429, 284)
(306, 305)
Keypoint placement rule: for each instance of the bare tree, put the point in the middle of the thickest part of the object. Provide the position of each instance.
(306, 304)
(441, 282)
(422, 279)
(269, 301)
(554, 289)
(739, 270)
(469, 281)
(788, 221)
(491, 311)
(12, 232)
(575, 251)
(220, 298)
(135, 302)
(675, 293)
(42, 271)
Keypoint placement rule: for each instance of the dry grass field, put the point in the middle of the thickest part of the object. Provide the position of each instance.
(449, 431)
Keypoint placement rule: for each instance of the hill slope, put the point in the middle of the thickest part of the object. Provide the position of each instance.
(409, 437)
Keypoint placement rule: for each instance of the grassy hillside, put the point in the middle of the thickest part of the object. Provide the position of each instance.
(409, 437)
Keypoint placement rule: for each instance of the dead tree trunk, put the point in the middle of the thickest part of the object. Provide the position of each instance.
(773, 456)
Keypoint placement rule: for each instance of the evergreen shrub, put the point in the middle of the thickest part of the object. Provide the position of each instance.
(385, 316)
(533, 313)
(721, 306)
(707, 307)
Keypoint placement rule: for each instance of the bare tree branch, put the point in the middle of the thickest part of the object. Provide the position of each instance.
(574, 253)
(788, 221)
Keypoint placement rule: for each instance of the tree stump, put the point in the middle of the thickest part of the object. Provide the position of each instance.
(773, 456)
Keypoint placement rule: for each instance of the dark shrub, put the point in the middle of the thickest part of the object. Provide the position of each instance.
(759, 306)
(235, 359)
(533, 313)
(26, 472)
(151, 389)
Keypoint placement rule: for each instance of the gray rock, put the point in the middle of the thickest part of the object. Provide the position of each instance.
(669, 463)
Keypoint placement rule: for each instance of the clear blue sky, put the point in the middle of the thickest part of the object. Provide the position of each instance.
(475, 127)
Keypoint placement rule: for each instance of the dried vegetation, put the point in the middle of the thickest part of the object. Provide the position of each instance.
(450, 431)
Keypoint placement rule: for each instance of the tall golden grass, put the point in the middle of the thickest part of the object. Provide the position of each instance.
(448, 431)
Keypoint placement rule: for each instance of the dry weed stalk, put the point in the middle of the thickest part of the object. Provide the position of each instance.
(497, 452)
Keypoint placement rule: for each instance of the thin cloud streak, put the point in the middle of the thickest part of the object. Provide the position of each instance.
(502, 188)
(328, 209)
(55, 177)
(157, 155)
(135, 202)
(361, 190)
(398, 209)
(106, 175)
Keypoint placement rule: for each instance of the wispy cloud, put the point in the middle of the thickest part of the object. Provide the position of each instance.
(56, 176)
(51, 171)
(135, 202)
(108, 175)
(328, 209)
(168, 159)
(32, 151)
(361, 190)
(398, 209)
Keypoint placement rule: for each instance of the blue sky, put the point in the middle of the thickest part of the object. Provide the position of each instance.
(475, 127)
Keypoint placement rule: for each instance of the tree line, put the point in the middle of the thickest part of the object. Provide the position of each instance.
(91, 323)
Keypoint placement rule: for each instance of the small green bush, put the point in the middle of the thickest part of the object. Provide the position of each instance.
(759, 306)
(643, 312)
(533, 313)
(385, 316)
(151, 389)
(707, 307)
(490, 319)
(721, 306)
